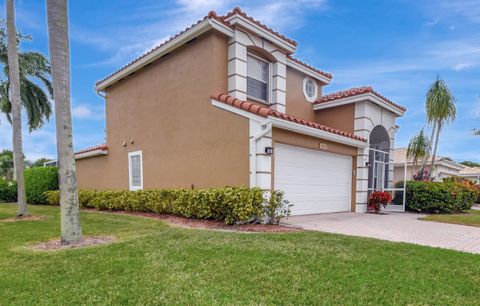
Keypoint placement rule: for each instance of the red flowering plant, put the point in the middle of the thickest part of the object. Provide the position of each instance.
(377, 200)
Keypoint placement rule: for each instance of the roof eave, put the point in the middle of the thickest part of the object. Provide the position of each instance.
(91, 153)
(359, 98)
(195, 31)
(292, 126)
(309, 72)
(245, 23)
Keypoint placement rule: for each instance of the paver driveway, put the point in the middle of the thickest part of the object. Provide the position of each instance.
(399, 227)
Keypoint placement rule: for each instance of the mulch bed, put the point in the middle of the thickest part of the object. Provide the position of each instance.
(207, 224)
(86, 242)
(25, 218)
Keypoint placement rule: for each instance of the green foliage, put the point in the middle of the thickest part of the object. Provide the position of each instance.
(34, 70)
(8, 191)
(6, 164)
(37, 181)
(230, 204)
(470, 164)
(276, 208)
(440, 197)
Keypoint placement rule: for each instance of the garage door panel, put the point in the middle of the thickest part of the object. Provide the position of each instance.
(314, 181)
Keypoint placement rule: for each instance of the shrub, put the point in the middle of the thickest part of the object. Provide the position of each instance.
(37, 181)
(377, 200)
(230, 204)
(440, 197)
(8, 191)
(276, 208)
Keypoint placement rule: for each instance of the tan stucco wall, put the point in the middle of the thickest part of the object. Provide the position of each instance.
(341, 117)
(166, 110)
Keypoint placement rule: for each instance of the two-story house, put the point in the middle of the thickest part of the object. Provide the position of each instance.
(225, 103)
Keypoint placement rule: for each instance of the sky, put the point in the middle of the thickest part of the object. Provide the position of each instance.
(398, 47)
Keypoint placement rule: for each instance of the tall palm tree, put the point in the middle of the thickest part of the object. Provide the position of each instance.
(441, 109)
(34, 69)
(16, 102)
(417, 148)
(71, 230)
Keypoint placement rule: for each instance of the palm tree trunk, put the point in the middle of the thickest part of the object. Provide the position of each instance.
(14, 93)
(424, 160)
(437, 136)
(71, 230)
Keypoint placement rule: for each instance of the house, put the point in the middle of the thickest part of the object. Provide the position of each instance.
(471, 173)
(443, 166)
(226, 103)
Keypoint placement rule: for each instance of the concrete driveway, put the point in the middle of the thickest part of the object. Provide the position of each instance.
(399, 227)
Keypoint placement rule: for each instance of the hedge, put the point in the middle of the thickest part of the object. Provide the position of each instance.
(8, 191)
(440, 197)
(229, 204)
(37, 181)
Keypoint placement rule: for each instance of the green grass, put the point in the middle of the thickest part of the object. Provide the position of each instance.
(156, 264)
(471, 217)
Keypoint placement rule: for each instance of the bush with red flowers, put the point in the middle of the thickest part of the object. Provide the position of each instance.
(377, 200)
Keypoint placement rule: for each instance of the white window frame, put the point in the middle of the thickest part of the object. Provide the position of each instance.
(315, 87)
(269, 81)
(130, 178)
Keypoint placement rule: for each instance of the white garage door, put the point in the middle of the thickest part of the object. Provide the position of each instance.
(314, 181)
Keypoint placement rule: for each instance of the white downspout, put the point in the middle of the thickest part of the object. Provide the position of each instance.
(266, 128)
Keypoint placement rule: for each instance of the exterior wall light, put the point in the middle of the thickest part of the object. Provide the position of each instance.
(268, 150)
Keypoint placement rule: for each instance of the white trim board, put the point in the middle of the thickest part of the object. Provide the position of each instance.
(91, 154)
(293, 64)
(360, 98)
(292, 126)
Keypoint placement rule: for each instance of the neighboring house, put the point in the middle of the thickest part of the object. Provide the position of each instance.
(471, 173)
(225, 103)
(443, 166)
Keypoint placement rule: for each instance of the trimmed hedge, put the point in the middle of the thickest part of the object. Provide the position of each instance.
(440, 197)
(37, 181)
(8, 191)
(229, 204)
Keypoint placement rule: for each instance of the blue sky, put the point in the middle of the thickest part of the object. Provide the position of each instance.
(398, 47)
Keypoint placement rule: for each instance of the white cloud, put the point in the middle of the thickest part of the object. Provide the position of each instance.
(82, 111)
(152, 25)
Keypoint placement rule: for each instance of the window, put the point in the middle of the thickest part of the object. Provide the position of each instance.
(135, 170)
(310, 89)
(258, 76)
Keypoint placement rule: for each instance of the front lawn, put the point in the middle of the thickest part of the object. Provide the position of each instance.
(471, 217)
(153, 263)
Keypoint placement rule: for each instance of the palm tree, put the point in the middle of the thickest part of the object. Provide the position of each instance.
(441, 109)
(417, 148)
(16, 105)
(71, 230)
(34, 69)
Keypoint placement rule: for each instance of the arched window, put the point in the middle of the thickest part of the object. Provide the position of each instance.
(378, 162)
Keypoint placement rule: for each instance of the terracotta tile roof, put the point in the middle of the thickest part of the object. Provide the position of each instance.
(211, 15)
(355, 92)
(102, 147)
(221, 19)
(325, 74)
(265, 112)
(239, 11)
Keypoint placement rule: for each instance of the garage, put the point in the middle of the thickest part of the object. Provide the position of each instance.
(314, 181)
